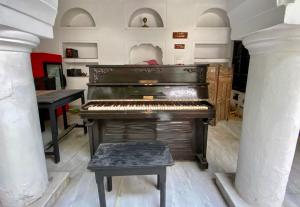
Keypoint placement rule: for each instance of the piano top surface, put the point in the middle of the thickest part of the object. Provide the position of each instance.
(144, 66)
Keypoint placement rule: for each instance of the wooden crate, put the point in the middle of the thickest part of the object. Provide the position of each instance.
(219, 77)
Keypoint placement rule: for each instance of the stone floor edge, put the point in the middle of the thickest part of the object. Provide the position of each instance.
(58, 181)
(225, 183)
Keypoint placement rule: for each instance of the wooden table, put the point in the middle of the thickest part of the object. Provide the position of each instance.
(51, 100)
(130, 158)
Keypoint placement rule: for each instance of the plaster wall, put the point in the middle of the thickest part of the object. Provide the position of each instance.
(115, 39)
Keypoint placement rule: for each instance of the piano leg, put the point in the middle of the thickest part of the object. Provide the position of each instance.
(95, 135)
(90, 126)
(201, 142)
(82, 103)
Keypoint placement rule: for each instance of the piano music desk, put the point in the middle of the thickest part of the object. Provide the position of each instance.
(52, 100)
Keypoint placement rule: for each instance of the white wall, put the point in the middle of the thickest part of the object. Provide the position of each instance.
(115, 39)
(113, 36)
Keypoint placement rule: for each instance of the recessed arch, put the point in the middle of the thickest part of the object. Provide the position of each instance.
(77, 17)
(213, 17)
(145, 51)
(153, 17)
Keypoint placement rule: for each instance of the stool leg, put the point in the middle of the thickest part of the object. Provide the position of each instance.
(162, 185)
(158, 182)
(109, 183)
(101, 191)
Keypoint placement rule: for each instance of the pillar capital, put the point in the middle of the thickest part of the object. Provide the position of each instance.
(280, 38)
(17, 41)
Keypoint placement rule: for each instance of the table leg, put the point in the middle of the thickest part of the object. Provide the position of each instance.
(84, 124)
(101, 192)
(65, 118)
(91, 138)
(158, 182)
(42, 123)
(162, 181)
(109, 183)
(54, 131)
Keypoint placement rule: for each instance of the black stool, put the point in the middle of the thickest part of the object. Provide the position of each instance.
(124, 159)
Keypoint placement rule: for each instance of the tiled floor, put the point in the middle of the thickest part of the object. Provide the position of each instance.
(187, 185)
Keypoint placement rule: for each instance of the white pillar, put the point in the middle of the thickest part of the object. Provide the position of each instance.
(271, 116)
(23, 173)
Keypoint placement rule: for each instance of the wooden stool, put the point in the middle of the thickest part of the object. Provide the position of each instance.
(125, 159)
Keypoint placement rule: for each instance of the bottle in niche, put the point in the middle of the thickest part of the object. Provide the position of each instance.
(145, 20)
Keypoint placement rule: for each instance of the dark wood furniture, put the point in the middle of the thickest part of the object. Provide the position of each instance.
(129, 103)
(240, 63)
(51, 100)
(219, 77)
(125, 159)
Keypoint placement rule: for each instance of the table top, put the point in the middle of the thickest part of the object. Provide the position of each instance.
(52, 96)
(131, 155)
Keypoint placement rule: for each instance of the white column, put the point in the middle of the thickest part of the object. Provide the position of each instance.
(271, 116)
(23, 173)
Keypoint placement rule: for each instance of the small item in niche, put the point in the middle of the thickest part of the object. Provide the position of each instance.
(151, 62)
(83, 74)
(71, 53)
(74, 72)
(145, 20)
(179, 46)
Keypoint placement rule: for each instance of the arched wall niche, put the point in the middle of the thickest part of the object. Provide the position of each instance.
(77, 17)
(145, 51)
(153, 17)
(213, 17)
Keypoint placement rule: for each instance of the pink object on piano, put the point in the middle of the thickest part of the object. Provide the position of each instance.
(151, 62)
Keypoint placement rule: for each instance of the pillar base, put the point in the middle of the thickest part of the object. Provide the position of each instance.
(58, 181)
(225, 183)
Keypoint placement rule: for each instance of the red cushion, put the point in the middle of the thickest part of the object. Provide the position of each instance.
(151, 62)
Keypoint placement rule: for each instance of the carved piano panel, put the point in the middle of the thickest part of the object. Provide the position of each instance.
(138, 73)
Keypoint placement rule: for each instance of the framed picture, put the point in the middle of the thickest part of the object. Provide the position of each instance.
(179, 46)
(180, 35)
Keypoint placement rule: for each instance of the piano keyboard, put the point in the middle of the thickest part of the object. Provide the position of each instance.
(147, 106)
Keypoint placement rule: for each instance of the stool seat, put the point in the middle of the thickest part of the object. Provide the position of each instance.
(131, 158)
(131, 155)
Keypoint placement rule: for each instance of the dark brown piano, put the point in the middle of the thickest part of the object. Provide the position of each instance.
(139, 103)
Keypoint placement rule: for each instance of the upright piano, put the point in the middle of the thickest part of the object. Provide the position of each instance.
(137, 103)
